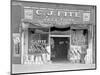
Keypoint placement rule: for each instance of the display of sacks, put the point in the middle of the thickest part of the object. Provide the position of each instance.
(75, 54)
(37, 47)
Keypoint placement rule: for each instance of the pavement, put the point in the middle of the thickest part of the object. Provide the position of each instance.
(27, 68)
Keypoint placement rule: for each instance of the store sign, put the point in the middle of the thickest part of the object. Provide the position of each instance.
(50, 12)
(55, 16)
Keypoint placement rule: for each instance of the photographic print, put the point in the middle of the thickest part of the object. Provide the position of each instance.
(52, 37)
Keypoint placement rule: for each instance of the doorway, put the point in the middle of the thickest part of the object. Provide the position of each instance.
(60, 46)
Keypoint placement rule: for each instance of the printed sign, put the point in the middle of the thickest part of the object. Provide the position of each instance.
(16, 41)
(86, 16)
(28, 13)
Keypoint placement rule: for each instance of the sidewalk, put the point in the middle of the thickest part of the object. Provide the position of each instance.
(49, 67)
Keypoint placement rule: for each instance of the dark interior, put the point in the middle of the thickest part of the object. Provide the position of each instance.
(60, 50)
(59, 29)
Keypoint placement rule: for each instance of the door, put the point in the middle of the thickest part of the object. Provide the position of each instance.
(60, 50)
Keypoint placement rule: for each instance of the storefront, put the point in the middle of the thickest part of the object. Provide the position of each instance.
(52, 37)
(56, 35)
(53, 33)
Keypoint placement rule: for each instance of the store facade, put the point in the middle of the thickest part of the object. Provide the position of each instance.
(53, 33)
(60, 25)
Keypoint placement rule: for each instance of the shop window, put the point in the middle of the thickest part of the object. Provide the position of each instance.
(79, 37)
(79, 45)
(38, 39)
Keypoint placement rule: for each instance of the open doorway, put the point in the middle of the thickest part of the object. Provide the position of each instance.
(59, 49)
